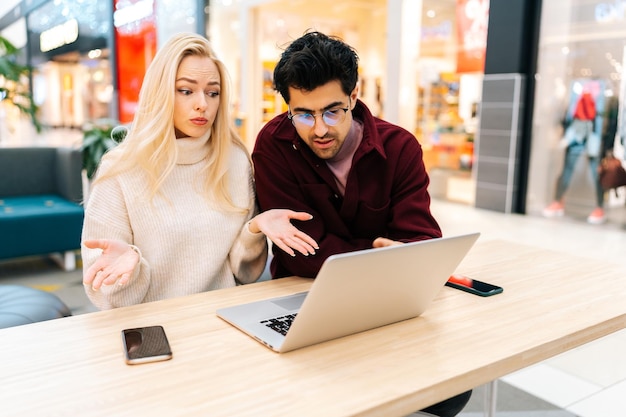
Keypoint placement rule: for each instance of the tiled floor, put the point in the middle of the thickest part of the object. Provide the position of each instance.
(589, 381)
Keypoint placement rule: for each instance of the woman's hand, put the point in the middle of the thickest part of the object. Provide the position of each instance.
(116, 263)
(276, 225)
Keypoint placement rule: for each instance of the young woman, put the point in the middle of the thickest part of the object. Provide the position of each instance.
(172, 209)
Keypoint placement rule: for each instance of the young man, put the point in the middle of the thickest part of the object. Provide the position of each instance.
(362, 179)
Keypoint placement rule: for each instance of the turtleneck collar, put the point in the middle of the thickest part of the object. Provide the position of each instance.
(192, 150)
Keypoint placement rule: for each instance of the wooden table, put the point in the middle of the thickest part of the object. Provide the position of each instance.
(551, 303)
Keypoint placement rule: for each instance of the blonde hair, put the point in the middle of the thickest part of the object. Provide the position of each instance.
(151, 142)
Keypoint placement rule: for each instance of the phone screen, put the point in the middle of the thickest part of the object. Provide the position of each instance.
(146, 344)
(473, 286)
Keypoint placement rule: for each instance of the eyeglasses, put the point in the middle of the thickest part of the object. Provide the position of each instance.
(330, 117)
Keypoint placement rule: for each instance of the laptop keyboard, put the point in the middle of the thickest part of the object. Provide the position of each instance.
(280, 324)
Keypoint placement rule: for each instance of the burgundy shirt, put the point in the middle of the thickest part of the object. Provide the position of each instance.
(386, 191)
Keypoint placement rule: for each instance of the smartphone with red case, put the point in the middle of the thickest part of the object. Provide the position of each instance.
(473, 286)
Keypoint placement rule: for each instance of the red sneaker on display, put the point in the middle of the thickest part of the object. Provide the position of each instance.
(555, 209)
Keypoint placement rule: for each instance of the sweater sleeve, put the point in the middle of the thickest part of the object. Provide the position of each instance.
(248, 256)
(248, 253)
(106, 217)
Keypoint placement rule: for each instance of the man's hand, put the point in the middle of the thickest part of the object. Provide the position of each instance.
(276, 225)
(116, 263)
(381, 242)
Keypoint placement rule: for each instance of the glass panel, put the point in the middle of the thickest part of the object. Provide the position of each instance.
(581, 50)
(68, 41)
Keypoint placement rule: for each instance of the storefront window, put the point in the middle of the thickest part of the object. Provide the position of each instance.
(435, 66)
(579, 95)
(68, 41)
(249, 37)
(450, 73)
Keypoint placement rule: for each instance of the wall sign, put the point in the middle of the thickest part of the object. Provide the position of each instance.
(136, 37)
(58, 36)
(472, 17)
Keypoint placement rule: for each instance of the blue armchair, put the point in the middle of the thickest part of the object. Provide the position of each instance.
(40, 202)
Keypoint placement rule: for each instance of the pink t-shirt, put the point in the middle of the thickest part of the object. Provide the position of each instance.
(342, 162)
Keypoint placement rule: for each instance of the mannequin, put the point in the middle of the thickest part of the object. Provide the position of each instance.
(584, 125)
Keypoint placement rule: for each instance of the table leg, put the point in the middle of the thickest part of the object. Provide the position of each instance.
(491, 395)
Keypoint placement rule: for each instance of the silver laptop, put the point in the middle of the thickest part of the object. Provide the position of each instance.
(353, 292)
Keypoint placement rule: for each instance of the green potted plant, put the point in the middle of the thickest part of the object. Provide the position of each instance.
(99, 136)
(14, 84)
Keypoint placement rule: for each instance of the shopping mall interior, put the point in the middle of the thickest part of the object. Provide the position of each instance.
(436, 97)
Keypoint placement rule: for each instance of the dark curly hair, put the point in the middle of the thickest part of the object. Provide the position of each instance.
(313, 60)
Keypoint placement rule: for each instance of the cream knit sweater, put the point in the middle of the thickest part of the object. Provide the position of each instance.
(186, 245)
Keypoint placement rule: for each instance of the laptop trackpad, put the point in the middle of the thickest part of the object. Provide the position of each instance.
(292, 302)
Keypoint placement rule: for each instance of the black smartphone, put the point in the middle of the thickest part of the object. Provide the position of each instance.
(146, 344)
(473, 286)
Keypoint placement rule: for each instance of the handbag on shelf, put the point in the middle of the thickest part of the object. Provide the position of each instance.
(611, 173)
